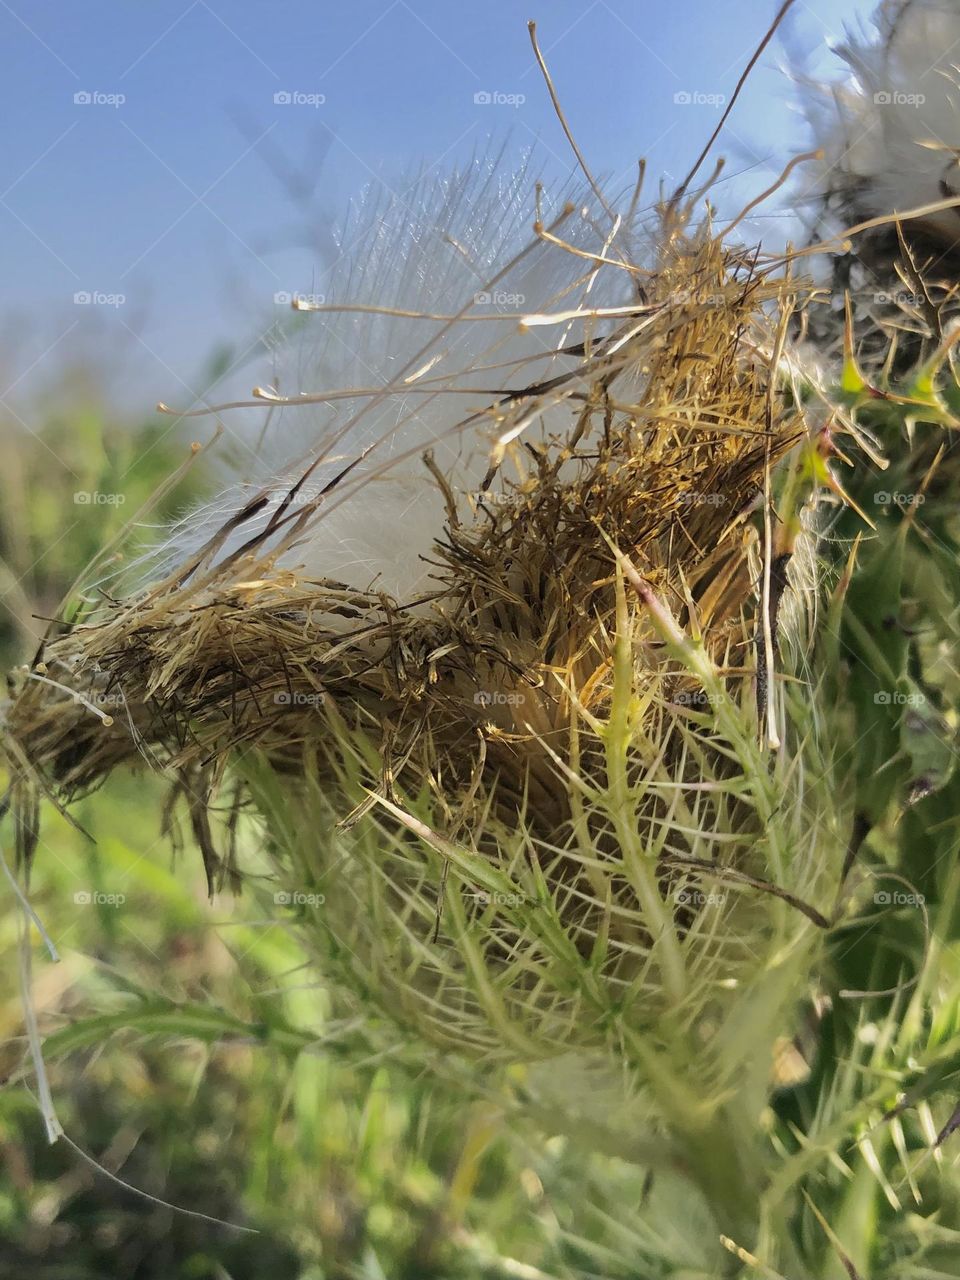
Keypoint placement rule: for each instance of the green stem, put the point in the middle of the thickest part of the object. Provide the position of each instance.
(638, 866)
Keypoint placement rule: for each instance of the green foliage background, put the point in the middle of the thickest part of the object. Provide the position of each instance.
(188, 1045)
(192, 1052)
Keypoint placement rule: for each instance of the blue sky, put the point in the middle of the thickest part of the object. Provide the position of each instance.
(184, 185)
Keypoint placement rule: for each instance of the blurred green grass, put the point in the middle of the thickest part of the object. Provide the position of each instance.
(184, 1045)
(193, 1054)
(187, 1042)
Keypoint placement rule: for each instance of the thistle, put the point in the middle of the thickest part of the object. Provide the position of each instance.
(578, 776)
(537, 801)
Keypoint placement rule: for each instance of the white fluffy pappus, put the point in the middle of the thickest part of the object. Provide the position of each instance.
(890, 131)
(396, 385)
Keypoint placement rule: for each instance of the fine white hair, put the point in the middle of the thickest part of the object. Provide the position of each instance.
(890, 131)
(461, 246)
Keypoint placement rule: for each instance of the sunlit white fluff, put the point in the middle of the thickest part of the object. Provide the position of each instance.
(444, 246)
(891, 130)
